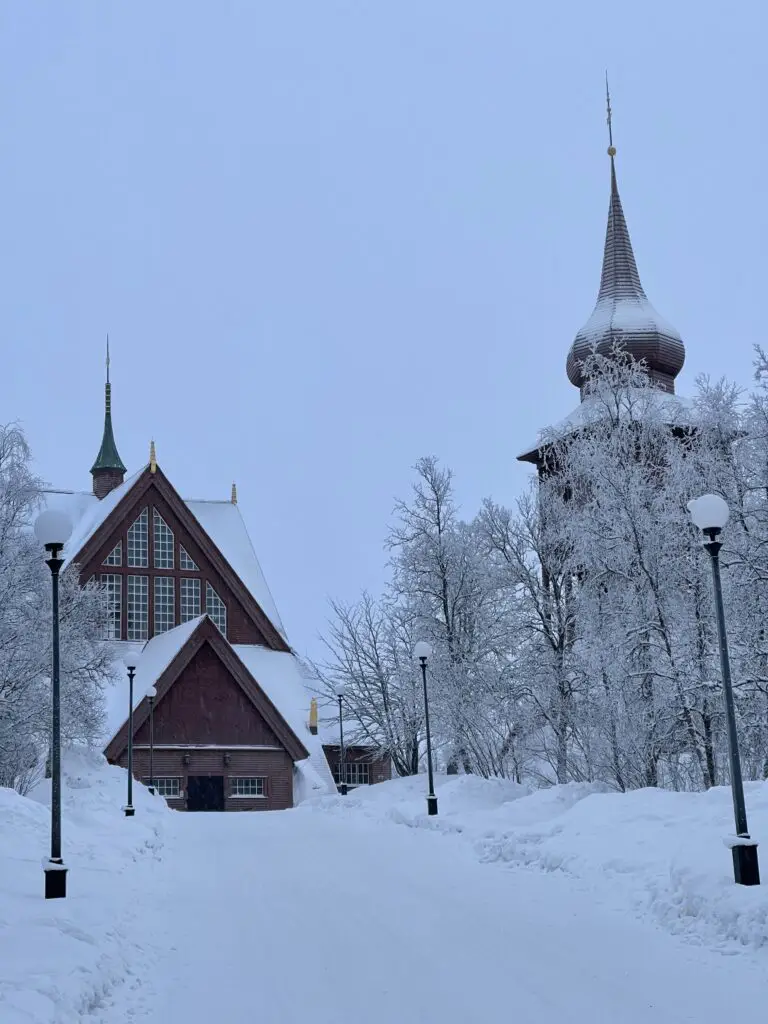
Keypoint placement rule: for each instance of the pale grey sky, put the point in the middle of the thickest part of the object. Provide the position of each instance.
(327, 238)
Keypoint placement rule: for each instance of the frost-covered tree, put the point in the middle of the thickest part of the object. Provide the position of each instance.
(25, 631)
(574, 634)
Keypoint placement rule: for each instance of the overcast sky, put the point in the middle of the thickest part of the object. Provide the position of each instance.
(328, 238)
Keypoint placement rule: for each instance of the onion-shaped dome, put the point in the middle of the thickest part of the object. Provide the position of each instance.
(623, 313)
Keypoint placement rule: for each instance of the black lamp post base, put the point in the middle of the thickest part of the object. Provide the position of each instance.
(746, 870)
(431, 804)
(129, 811)
(56, 882)
(343, 789)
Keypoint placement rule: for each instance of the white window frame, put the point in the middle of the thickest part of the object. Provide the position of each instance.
(165, 602)
(186, 561)
(257, 779)
(113, 584)
(216, 609)
(132, 605)
(138, 542)
(164, 542)
(159, 782)
(195, 584)
(115, 556)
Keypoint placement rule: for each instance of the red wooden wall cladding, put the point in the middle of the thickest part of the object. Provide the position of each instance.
(205, 705)
(274, 765)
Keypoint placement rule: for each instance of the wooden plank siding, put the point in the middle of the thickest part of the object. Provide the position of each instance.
(274, 765)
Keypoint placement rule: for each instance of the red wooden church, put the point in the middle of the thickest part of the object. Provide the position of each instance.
(235, 727)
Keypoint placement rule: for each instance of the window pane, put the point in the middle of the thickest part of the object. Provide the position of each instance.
(185, 562)
(169, 788)
(216, 609)
(138, 607)
(163, 537)
(248, 787)
(138, 541)
(112, 584)
(165, 611)
(189, 600)
(115, 557)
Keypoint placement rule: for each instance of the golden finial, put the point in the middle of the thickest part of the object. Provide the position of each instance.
(611, 147)
(313, 716)
(152, 457)
(233, 499)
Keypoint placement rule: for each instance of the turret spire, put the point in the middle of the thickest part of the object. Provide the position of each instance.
(623, 313)
(108, 470)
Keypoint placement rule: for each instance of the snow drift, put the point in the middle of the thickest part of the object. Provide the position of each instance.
(652, 852)
(61, 958)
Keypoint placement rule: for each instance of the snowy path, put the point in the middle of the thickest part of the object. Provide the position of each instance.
(304, 916)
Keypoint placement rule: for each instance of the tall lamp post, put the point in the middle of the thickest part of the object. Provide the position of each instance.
(129, 660)
(422, 652)
(151, 694)
(340, 691)
(710, 513)
(53, 529)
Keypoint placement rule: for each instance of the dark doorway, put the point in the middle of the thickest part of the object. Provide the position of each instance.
(205, 793)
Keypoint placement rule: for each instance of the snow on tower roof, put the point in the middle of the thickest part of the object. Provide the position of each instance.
(671, 409)
(623, 312)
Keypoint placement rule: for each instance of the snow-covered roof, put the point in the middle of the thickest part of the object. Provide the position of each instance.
(221, 520)
(280, 676)
(672, 409)
(152, 659)
(278, 673)
(224, 524)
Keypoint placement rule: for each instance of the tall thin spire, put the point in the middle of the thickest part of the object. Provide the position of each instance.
(623, 313)
(108, 470)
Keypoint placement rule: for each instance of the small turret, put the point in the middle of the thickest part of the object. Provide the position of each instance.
(108, 470)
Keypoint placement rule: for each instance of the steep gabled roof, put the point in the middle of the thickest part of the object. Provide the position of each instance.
(165, 657)
(219, 531)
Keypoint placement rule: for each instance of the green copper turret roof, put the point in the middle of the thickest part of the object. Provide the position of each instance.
(108, 457)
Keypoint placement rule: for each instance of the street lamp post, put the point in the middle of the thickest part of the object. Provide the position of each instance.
(710, 513)
(53, 529)
(151, 694)
(129, 660)
(340, 691)
(423, 652)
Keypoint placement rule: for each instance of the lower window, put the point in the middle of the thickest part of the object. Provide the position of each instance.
(357, 773)
(169, 788)
(247, 787)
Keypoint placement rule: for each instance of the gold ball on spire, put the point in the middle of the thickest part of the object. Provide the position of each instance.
(611, 151)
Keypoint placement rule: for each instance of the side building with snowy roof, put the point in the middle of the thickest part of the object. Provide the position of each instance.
(231, 723)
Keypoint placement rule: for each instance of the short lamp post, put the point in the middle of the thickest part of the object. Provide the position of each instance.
(340, 691)
(53, 529)
(422, 652)
(151, 694)
(129, 660)
(710, 513)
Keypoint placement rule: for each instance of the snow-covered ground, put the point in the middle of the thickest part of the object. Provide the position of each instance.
(594, 907)
(654, 852)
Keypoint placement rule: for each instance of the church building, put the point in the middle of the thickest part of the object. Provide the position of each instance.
(233, 723)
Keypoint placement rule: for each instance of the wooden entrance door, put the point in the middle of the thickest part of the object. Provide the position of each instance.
(205, 793)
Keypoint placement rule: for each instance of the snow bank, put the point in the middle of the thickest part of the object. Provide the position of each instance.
(61, 958)
(653, 852)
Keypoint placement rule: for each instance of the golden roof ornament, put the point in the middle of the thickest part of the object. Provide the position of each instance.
(152, 457)
(313, 716)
